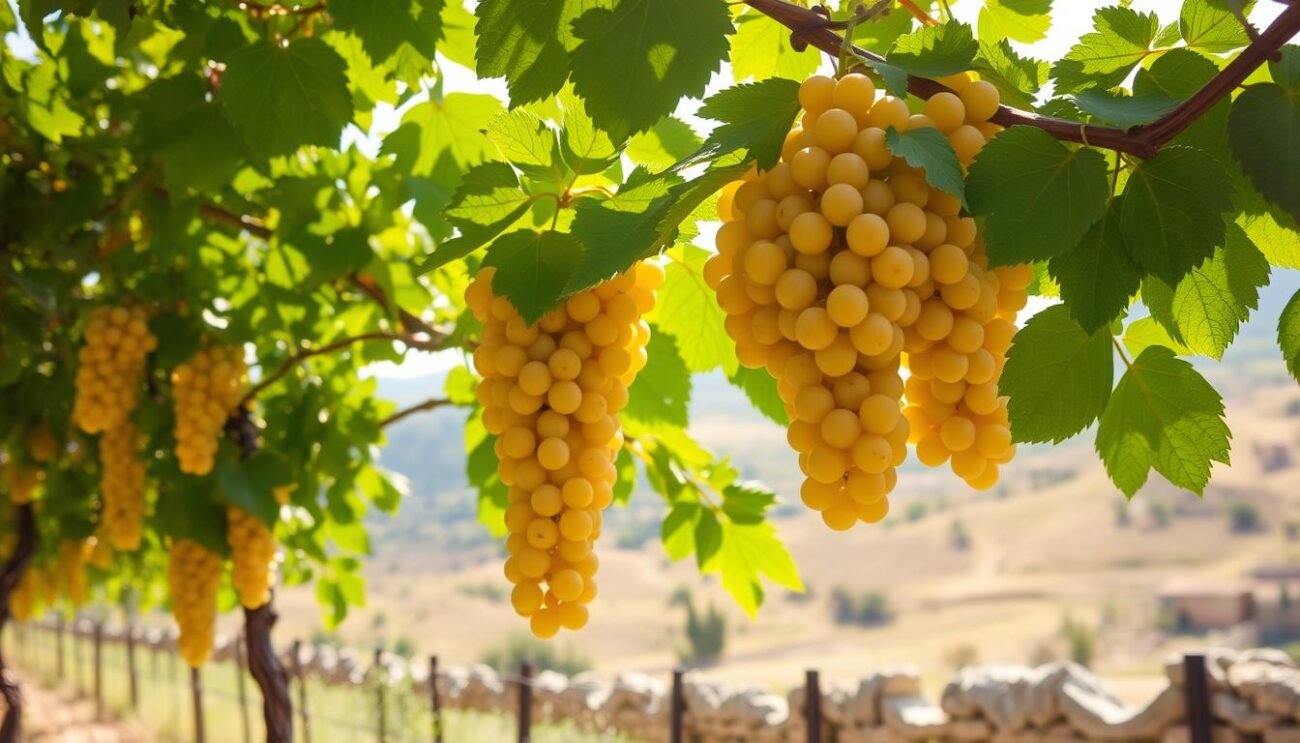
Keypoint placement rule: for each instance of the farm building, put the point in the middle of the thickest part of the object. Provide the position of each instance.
(1207, 605)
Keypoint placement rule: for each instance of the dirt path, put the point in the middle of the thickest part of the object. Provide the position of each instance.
(59, 715)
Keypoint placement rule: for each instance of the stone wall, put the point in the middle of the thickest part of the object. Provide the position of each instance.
(1255, 696)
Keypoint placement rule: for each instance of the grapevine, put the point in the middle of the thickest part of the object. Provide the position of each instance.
(551, 394)
(193, 577)
(252, 557)
(205, 389)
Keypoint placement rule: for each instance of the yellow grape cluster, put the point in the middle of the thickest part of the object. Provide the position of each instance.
(101, 553)
(205, 390)
(193, 577)
(73, 554)
(41, 444)
(21, 481)
(252, 557)
(111, 364)
(23, 601)
(122, 486)
(551, 393)
(840, 265)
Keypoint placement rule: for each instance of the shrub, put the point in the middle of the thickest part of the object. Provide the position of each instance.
(517, 647)
(1244, 517)
(862, 609)
(706, 634)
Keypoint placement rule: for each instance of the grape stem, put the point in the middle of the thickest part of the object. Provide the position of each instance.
(1143, 141)
(296, 359)
(430, 404)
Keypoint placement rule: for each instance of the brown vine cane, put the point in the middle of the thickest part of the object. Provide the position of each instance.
(1143, 141)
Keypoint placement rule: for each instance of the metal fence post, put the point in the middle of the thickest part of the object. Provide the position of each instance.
(302, 691)
(377, 674)
(812, 709)
(99, 670)
(433, 699)
(196, 690)
(525, 702)
(678, 709)
(1196, 685)
(240, 690)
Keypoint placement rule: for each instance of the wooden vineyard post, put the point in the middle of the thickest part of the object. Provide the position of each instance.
(678, 709)
(525, 702)
(1196, 685)
(812, 706)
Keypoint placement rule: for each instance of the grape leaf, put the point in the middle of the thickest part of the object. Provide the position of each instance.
(754, 116)
(665, 143)
(1171, 214)
(1273, 231)
(1208, 306)
(489, 195)
(528, 143)
(1052, 353)
(1212, 26)
(1039, 197)
(481, 471)
(1288, 335)
(384, 25)
(1162, 414)
(586, 149)
(533, 269)
(1017, 78)
(1144, 332)
(1025, 21)
(662, 389)
(1264, 131)
(250, 484)
(1097, 279)
(760, 388)
(1179, 73)
(1102, 58)
(761, 49)
(935, 51)
(281, 98)
(636, 61)
(621, 230)
(879, 32)
(1123, 111)
(747, 502)
(458, 38)
(528, 43)
(687, 309)
(197, 145)
(748, 553)
(448, 132)
(928, 149)
(894, 77)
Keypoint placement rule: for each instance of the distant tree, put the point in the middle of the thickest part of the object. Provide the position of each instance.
(706, 634)
(862, 609)
(1244, 517)
(1122, 517)
(915, 511)
(506, 655)
(404, 647)
(1159, 513)
(958, 536)
(1081, 638)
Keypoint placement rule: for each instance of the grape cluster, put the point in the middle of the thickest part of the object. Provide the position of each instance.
(252, 557)
(41, 444)
(193, 577)
(551, 394)
(101, 553)
(73, 554)
(121, 480)
(840, 268)
(23, 600)
(21, 480)
(117, 342)
(205, 390)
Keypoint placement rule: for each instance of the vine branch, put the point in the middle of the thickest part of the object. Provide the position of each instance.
(10, 576)
(430, 404)
(1143, 141)
(296, 359)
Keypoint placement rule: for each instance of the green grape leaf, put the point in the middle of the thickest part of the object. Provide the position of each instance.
(1052, 353)
(677, 532)
(586, 149)
(1123, 111)
(634, 62)
(528, 43)
(1104, 57)
(747, 502)
(458, 39)
(708, 540)
(1272, 230)
(281, 98)
(748, 553)
(384, 25)
(191, 512)
(626, 483)
(761, 49)
(460, 386)
(1025, 21)
(894, 77)
(928, 149)
(1171, 214)
(1162, 414)
(760, 388)
(1017, 78)
(1038, 196)
(1144, 332)
(533, 268)
(481, 471)
(528, 143)
(1264, 131)
(662, 390)
(1211, 24)
(755, 117)
(621, 230)
(1208, 306)
(665, 143)
(687, 309)
(935, 51)
(189, 134)
(451, 132)
(1286, 70)
(1288, 335)
(879, 33)
(1096, 278)
(1177, 74)
(488, 201)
